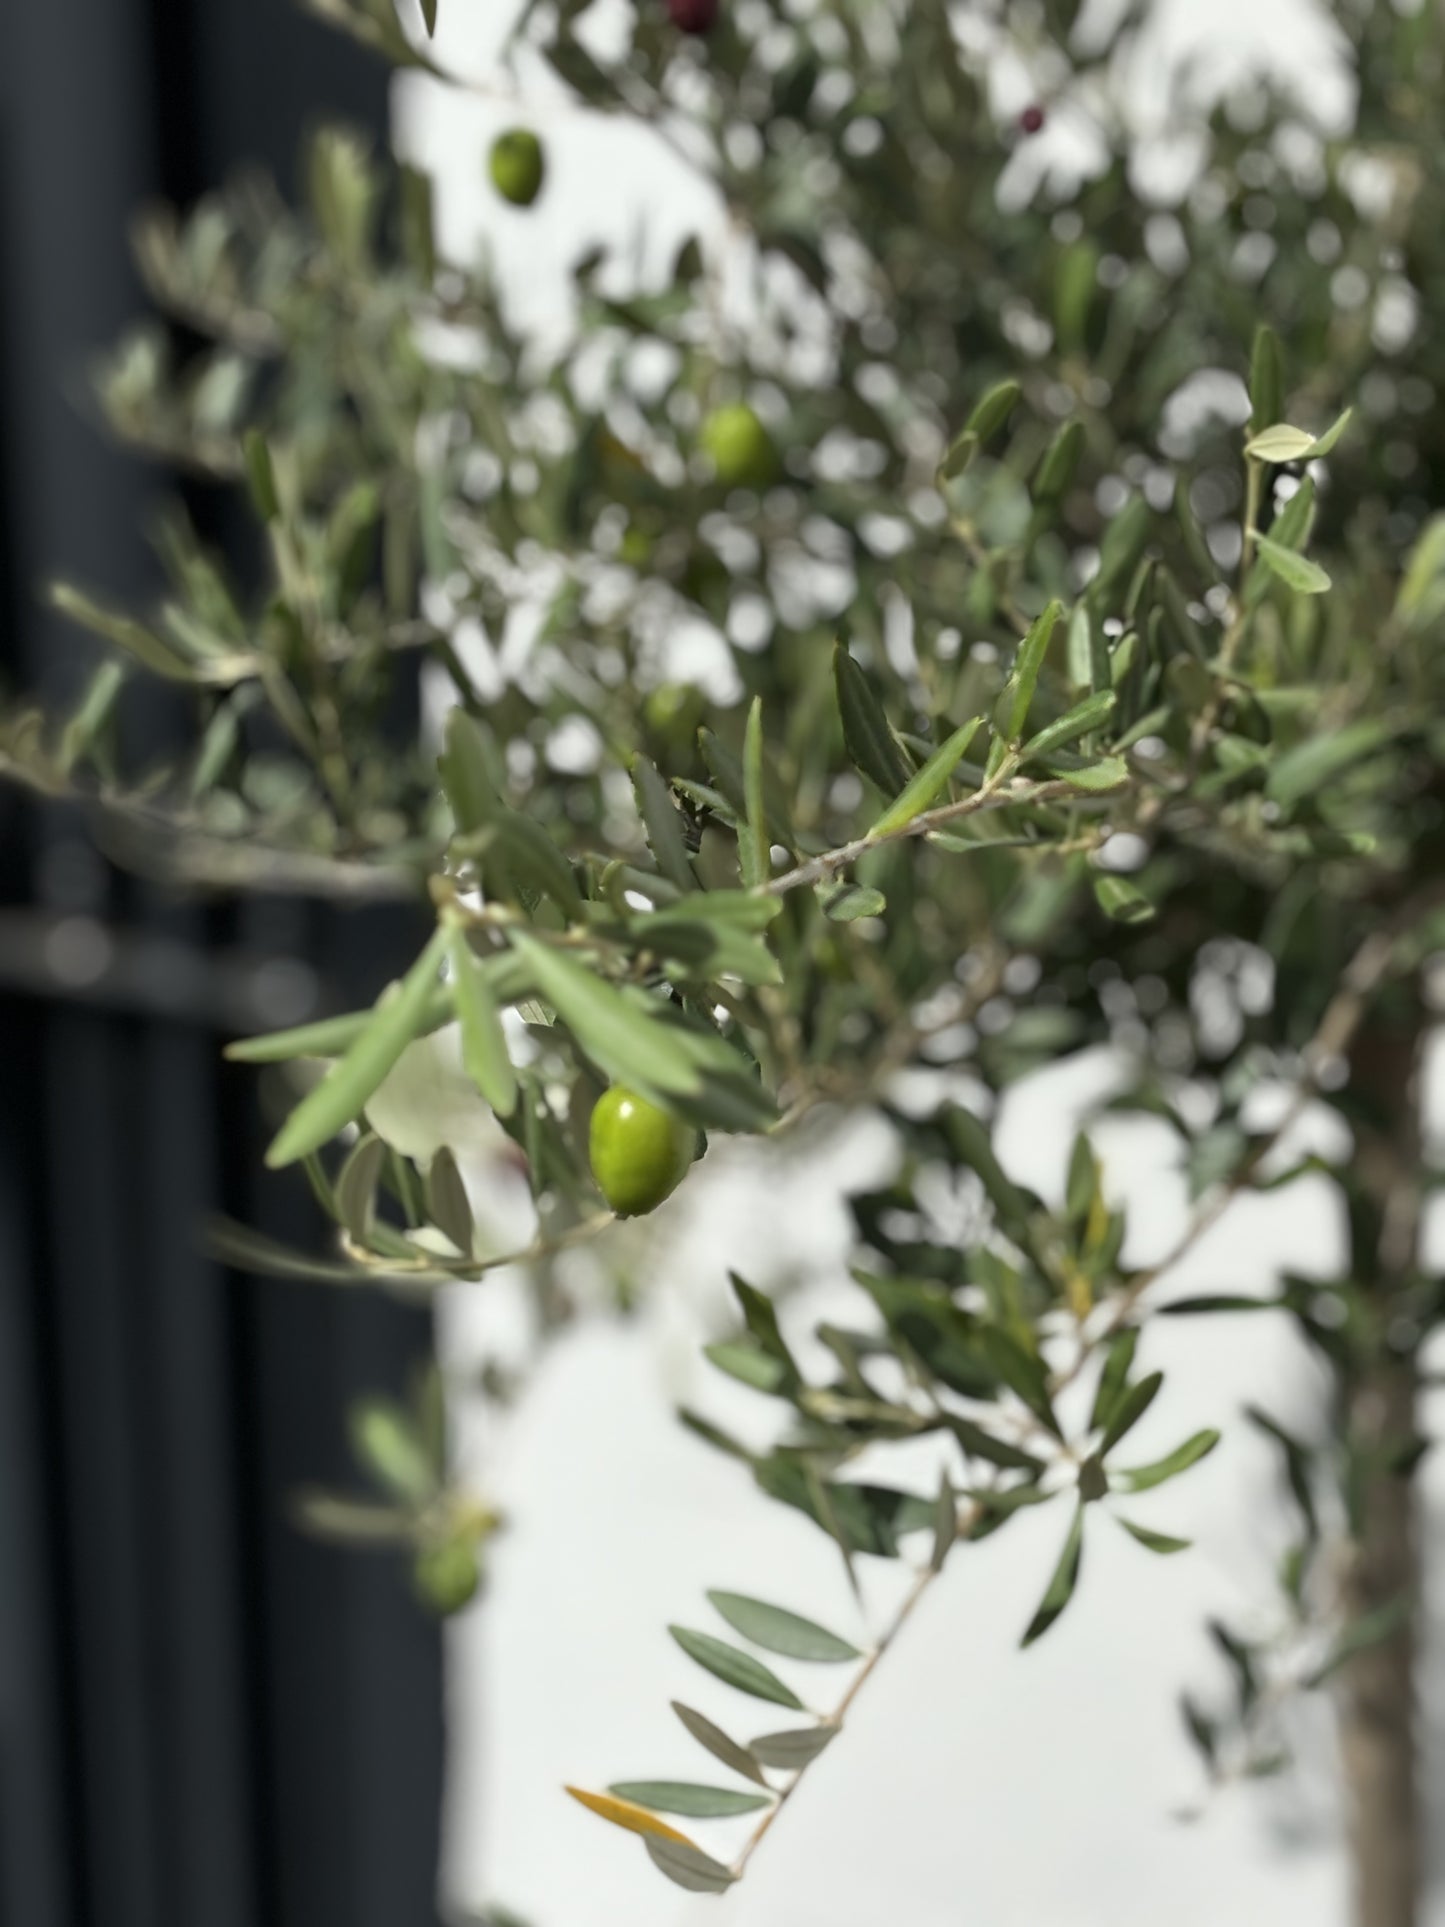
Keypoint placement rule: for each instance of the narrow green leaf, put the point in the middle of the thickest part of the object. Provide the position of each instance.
(1023, 1372)
(1311, 765)
(467, 773)
(447, 1203)
(385, 1441)
(1056, 470)
(688, 1866)
(1088, 650)
(848, 902)
(1266, 379)
(779, 1631)
(1295, 571)
(753, 842)
(329, 1037)
(260, 476)
(429, 17)
(138, 641)
(1076, 722)
(993, 408)
(1281, 443)
(96, 708)
(1216, 1302)
(945, 1524)
(1107, 774)
(734, 1667)
(534, 861)
(692, 1802)
(355, 1194)
(663, 824)
(1114, 1379)
(1195, 545)
(866, 733)
(1122, 900)
(924, 789)
(1130, 1408)
(719, 1744)
(1061, 1586)
(749, 1365)
(1018, 691)
(341, 1095)
(1122, 546)
(484, 1043)
(1419, 591)
(622, 1040)
(791, 1752)
(1156, 1542)
(1075, 280)
(1143, 1478)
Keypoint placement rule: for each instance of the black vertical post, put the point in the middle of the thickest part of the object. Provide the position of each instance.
(205, 1720)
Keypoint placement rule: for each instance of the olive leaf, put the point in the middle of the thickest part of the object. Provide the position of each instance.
(779, 1631)
(1061, 1586)
(341, 1095)
(734, 1667)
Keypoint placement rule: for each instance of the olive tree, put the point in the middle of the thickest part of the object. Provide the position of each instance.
(1069, 549)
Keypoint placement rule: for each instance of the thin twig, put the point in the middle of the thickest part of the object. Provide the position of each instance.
(992, 796)
(967, 1519)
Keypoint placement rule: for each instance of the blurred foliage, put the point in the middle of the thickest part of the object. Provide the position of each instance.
(1061, 555)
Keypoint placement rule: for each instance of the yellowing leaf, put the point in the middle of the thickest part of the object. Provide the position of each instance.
(627, 1814)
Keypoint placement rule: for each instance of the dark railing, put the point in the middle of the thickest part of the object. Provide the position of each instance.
(205, 1720)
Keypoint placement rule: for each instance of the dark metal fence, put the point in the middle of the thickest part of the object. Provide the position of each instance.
(205, 1720)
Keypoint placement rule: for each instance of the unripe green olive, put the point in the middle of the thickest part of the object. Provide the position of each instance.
(447, 1575)
(639, 1154)
(740, 448)
(518, 166)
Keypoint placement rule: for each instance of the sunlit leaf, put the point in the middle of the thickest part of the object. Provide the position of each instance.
(343, 1092)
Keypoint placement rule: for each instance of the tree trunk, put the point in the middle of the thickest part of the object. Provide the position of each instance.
(1377, 1700)
(1378, 1685)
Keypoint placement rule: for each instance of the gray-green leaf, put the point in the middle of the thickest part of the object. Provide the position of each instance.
(694, 1802)
(688, 1865)
(340, 1096)
(735, 1667)
(484, 1044)
(779, 1631)
(1294, 570)
(865, 727)
(923, 790)
(719, 1744)
(791, 1752)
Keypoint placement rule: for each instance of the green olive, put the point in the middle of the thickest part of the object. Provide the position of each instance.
(740, 448)
(639, 1154)
(447, 1575)
(518, 166)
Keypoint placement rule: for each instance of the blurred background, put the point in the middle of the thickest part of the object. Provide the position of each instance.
(204, 1717)
(208, 1719)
